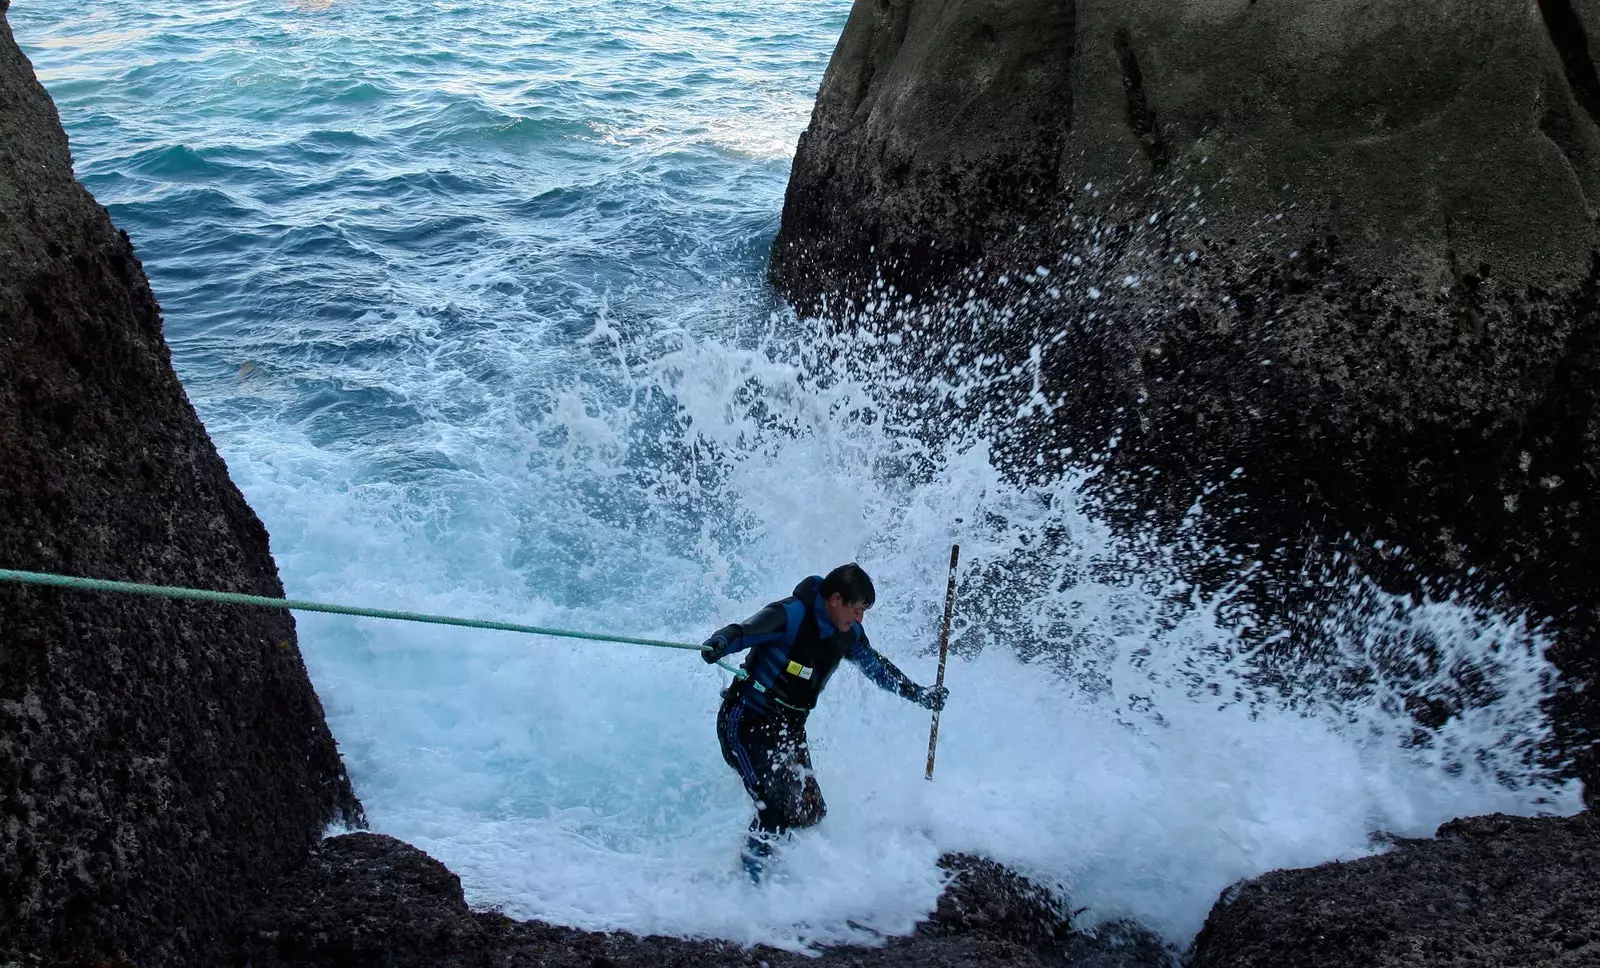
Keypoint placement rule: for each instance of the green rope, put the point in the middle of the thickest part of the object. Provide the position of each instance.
(237, 598)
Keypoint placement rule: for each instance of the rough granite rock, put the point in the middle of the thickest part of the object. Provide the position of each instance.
(1432, 137)
(1328, 266)
(370, 900)
(984, 896)
(1490, 892)
(159, 762)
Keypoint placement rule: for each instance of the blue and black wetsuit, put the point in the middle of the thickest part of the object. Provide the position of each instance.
(794, 649)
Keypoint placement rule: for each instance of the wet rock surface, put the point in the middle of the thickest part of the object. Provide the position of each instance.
(368, 899)
(1328, 270)
(1488, 891)
(159, 762)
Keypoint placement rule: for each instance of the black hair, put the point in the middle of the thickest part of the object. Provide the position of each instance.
(851, 583)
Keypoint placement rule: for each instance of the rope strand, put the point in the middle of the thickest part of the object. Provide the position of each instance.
(264, 601)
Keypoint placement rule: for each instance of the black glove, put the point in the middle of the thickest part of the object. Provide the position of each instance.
(715, 648)
(931, 698)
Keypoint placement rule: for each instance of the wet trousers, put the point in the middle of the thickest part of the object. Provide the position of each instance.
(768, 750)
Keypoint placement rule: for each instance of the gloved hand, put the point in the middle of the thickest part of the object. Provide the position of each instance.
(931, 698)
(715, 648)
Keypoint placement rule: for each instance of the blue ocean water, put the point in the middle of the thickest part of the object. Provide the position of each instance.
(469, 296)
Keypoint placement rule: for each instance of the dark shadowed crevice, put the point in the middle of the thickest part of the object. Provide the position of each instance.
(1069, 30)
(1559, 123)
(1140, 118)
(1567, 33)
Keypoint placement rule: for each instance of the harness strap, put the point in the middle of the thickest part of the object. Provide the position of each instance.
(744, 676)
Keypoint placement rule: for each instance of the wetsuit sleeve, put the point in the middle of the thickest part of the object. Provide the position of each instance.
(768, 625)
(880, 670)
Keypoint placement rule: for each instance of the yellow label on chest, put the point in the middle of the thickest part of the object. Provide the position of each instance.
(796, 669)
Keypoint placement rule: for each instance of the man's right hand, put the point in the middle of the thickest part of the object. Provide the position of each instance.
(715, 648)
(931, 697)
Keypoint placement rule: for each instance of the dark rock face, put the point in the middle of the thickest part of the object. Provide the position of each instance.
(370, 900)
(1403, 129)
(158, 762)
(365, 899)
(938, 129)
(1331, 265)
(989, 897)
(1490, 891)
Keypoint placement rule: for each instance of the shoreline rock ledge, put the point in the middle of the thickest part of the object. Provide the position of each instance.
(371, 900)
(1487, 892)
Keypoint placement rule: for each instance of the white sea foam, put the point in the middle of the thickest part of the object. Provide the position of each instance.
(581, 783)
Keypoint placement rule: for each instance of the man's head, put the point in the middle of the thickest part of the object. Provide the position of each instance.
(847, 593)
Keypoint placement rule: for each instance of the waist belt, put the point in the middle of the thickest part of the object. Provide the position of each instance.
(744, 677)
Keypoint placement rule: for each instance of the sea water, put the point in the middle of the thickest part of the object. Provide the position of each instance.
(469, 293)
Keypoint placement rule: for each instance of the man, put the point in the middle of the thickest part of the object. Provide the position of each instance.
(795, 644)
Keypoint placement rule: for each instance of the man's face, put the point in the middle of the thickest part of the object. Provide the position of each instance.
(843, 615)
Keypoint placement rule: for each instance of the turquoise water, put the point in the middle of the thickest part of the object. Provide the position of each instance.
(469, 296)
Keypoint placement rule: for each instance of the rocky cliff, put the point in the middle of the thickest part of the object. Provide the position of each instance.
(159, 762)
(1327, 268)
